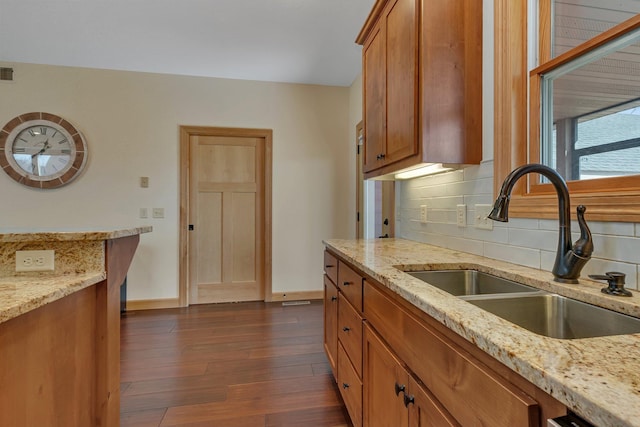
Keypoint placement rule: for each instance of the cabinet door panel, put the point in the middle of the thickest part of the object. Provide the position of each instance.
(350, 283)
(331, 266)
(331, 323)
(402, 54)
(426, 411)
(374, 77)
(383, 376)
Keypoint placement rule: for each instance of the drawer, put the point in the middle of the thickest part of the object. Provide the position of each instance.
(465, 386)
(331, 266)
(350, 387)
(426, 410)
(350, 284)
(350, 332)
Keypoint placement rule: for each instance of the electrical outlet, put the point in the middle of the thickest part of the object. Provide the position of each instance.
(144, 182)
(144, 213)
(461, 215)
(41, 260)
(481, 221)
(423, 214)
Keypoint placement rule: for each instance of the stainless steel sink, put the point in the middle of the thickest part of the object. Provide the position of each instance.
(556, 316)
(469, 282)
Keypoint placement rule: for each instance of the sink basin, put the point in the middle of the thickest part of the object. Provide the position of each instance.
(556, 316)
(469, 282)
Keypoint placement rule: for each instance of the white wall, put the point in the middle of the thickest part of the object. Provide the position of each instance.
(131, 122)
(529, 242)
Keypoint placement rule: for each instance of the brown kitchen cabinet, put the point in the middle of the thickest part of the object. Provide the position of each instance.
(343, 332)
(422, 84)
(392, 397)
(446, 380)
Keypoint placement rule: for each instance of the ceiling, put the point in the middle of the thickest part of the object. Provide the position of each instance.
(296, 41)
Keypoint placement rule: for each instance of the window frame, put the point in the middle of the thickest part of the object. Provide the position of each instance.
(606, 199)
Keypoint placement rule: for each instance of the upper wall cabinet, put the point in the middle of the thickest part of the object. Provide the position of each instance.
(422, 84)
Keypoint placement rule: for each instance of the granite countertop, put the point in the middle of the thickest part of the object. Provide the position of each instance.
(23, 294)
(598, 378)
(42, 235)
(79, 263)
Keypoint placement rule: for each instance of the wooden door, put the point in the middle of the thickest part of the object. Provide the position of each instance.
(384, 380)
(229, 237)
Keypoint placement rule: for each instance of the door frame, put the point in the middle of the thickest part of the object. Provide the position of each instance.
(186, 132)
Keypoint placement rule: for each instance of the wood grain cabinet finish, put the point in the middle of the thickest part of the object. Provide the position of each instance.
(350, 284)
(350, 385)
(422, 84)
(392, 397)
(350, 332)
(331, 267)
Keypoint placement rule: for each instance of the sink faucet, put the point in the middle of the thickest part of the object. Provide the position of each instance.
(569, 259)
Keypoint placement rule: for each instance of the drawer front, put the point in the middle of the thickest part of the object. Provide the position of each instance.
(350, 387)
(350, 284)
(331, 323)
(466, 387)
(350, 332)
(331, 266)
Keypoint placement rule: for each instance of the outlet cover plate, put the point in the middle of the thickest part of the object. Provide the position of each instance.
(40, 260)
(480, 219)
(423, 214)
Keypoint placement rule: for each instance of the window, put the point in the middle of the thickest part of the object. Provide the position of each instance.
(583, 105)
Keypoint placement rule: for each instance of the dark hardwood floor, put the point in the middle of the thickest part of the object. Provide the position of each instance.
(228, 365)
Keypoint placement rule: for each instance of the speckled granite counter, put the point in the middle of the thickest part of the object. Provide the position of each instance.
(598, 378)
(79, 262)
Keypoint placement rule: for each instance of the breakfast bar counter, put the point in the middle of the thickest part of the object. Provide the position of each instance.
(60, 329)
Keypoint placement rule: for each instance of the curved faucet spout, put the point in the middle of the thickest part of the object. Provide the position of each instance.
(569, 259)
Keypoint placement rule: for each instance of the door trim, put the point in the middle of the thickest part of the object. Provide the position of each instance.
(185, 134)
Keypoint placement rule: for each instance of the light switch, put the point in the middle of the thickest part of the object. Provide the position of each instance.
(144, 182)
(158, 212)
(144, 213)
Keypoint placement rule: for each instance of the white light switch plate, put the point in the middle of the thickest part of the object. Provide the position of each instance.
(40, 260)
(157, 212)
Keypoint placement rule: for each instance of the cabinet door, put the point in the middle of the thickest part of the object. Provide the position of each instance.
(374, 76)
(384, 382)
(425, 410)
(331, 323)
(402, 78)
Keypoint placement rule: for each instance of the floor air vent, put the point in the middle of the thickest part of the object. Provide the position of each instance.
(285, 303)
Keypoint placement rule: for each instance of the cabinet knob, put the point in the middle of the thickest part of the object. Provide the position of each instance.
(347, 283)
(399, 388)
(334, 298)
(408, 400)
(345, 386)
(346, 329)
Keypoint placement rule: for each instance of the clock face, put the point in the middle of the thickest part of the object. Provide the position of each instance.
(42, 150)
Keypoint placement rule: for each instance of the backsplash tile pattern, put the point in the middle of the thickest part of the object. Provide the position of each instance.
(523, 241)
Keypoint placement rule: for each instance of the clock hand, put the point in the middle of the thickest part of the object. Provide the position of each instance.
(44, 148)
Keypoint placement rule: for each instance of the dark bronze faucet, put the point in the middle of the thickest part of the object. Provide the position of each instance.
(569, 259)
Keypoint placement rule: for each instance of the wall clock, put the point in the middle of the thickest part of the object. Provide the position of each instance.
(42, 150)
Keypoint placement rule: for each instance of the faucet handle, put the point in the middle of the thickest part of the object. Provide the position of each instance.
(615, 280)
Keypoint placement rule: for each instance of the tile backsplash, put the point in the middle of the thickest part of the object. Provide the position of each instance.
(529, 242)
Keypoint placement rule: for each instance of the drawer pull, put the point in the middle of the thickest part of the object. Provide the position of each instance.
(400, 388)
(346, 329)
(347, 283)
(329, 266)
(408, 400)
(345, 386)
(334, 298)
